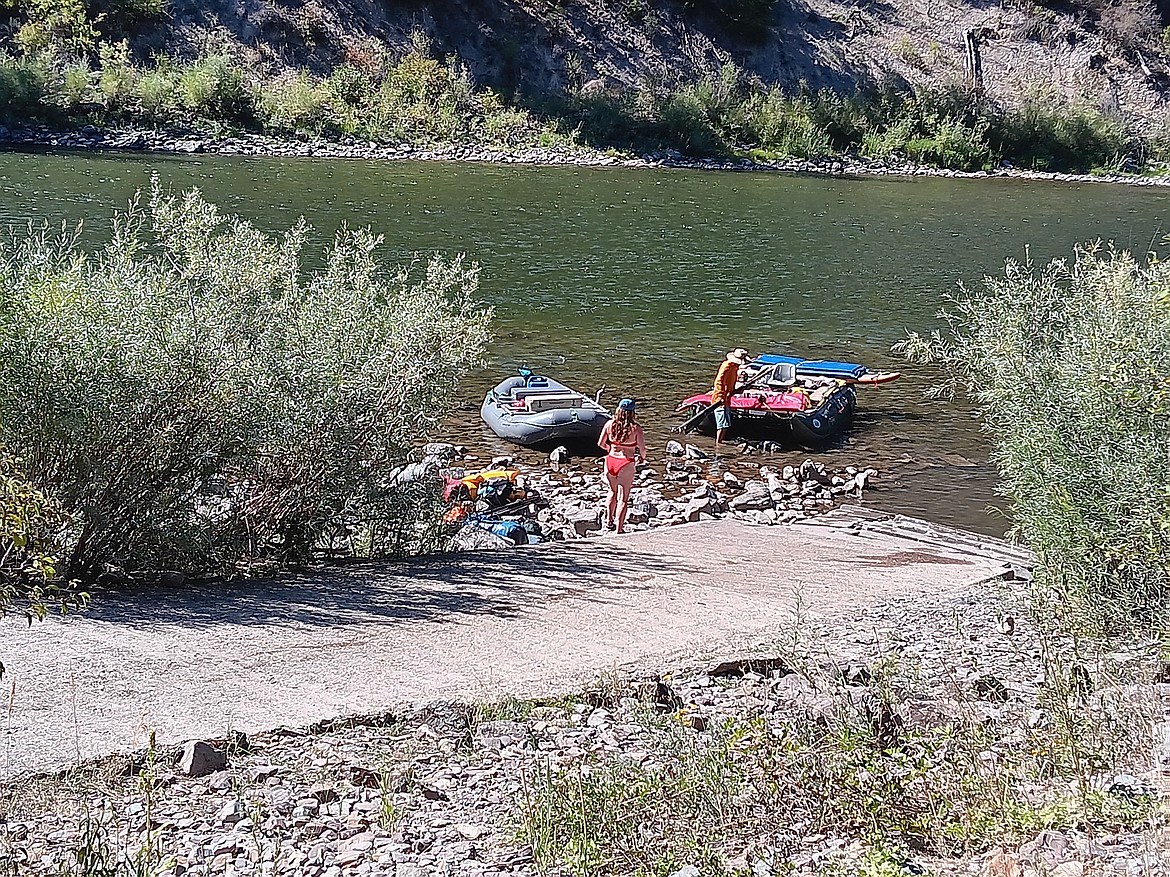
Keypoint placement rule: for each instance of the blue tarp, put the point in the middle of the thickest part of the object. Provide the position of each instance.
(818, 367)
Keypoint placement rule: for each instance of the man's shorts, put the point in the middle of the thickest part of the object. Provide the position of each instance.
(723, 417)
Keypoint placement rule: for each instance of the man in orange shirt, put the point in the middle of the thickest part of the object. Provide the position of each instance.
(725, 382)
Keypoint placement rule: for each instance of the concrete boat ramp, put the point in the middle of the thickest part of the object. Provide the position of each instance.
(198, 662)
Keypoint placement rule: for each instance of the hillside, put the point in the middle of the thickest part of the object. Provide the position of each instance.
(957, 84)
(1108, 56)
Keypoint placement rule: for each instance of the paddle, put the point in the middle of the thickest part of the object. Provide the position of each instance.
(698, 417)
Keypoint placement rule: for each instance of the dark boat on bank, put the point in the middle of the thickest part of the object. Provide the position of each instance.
(810, 402)
(531, 409)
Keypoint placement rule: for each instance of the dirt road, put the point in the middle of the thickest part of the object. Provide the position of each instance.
(198, 662)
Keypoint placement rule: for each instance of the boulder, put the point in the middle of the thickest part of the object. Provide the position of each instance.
(703, 491)
(698, 506)
(501, 732)
(755, 497)
(810, 471)
(584, 520)
(198, 759)
(441, 450)
(988, 687)
(694, 453)
(675, 449)
(559, 455)
(764, 666)
(324, 794)
(641, 512)
(856, 674)
(1002, 864)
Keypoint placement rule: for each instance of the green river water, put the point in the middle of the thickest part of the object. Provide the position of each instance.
(641, 279)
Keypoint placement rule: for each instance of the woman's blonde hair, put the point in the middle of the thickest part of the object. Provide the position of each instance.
(622, 425)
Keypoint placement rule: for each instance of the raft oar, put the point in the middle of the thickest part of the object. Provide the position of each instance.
(696, 419)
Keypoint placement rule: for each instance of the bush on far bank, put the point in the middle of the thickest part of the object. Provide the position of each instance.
(195, 398)
(1068, 363)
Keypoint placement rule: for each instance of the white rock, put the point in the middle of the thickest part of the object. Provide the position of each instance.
(229, 813)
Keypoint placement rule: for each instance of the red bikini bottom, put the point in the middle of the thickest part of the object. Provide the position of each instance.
(614, 465)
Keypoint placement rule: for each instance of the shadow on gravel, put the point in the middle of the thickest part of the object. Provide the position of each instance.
(434, 589)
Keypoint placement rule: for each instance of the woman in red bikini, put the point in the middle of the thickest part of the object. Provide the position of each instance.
(621, 439)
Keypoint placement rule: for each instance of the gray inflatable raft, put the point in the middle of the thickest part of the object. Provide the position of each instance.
(534, 410)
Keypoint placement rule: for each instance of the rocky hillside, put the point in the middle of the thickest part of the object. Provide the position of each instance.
(1105, 54)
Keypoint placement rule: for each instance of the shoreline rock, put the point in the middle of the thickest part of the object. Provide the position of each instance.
(563, 501)
(258, 145)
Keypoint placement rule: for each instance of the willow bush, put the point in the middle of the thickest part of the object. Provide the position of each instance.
(197, 399)
(32, 530)
(1069, 364)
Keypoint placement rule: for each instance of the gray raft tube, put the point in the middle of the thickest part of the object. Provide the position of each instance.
(536, 410)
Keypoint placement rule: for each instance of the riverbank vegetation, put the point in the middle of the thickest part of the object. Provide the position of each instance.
(418, 99)
(31, 531)
(1068, 363)
(196, 399)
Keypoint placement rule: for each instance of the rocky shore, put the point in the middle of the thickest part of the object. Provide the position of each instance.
(566, 500)
(191, 143)
(898, 747)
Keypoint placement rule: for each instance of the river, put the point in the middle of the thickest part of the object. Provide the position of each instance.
(641, 279)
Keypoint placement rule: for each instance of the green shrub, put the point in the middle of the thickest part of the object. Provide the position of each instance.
(350, 94)
(159, 95)
(214, 89)
(32, 530)
(783, 126)
(922, 131)
(422, 100)
(117, 18)
(1043, 135)
(23, 88)
(118, 79)
(751, 19)
(1068, 364)
(951, 144)
(56, 27)
(75, 88)
(295, 103)
(198, 401)
(890, 141)
(510, 127)
(683, 123)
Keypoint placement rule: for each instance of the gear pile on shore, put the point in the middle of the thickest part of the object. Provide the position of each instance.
(523, 787)
(502, 506)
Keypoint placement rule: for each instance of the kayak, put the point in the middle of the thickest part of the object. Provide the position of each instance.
(531, 409)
